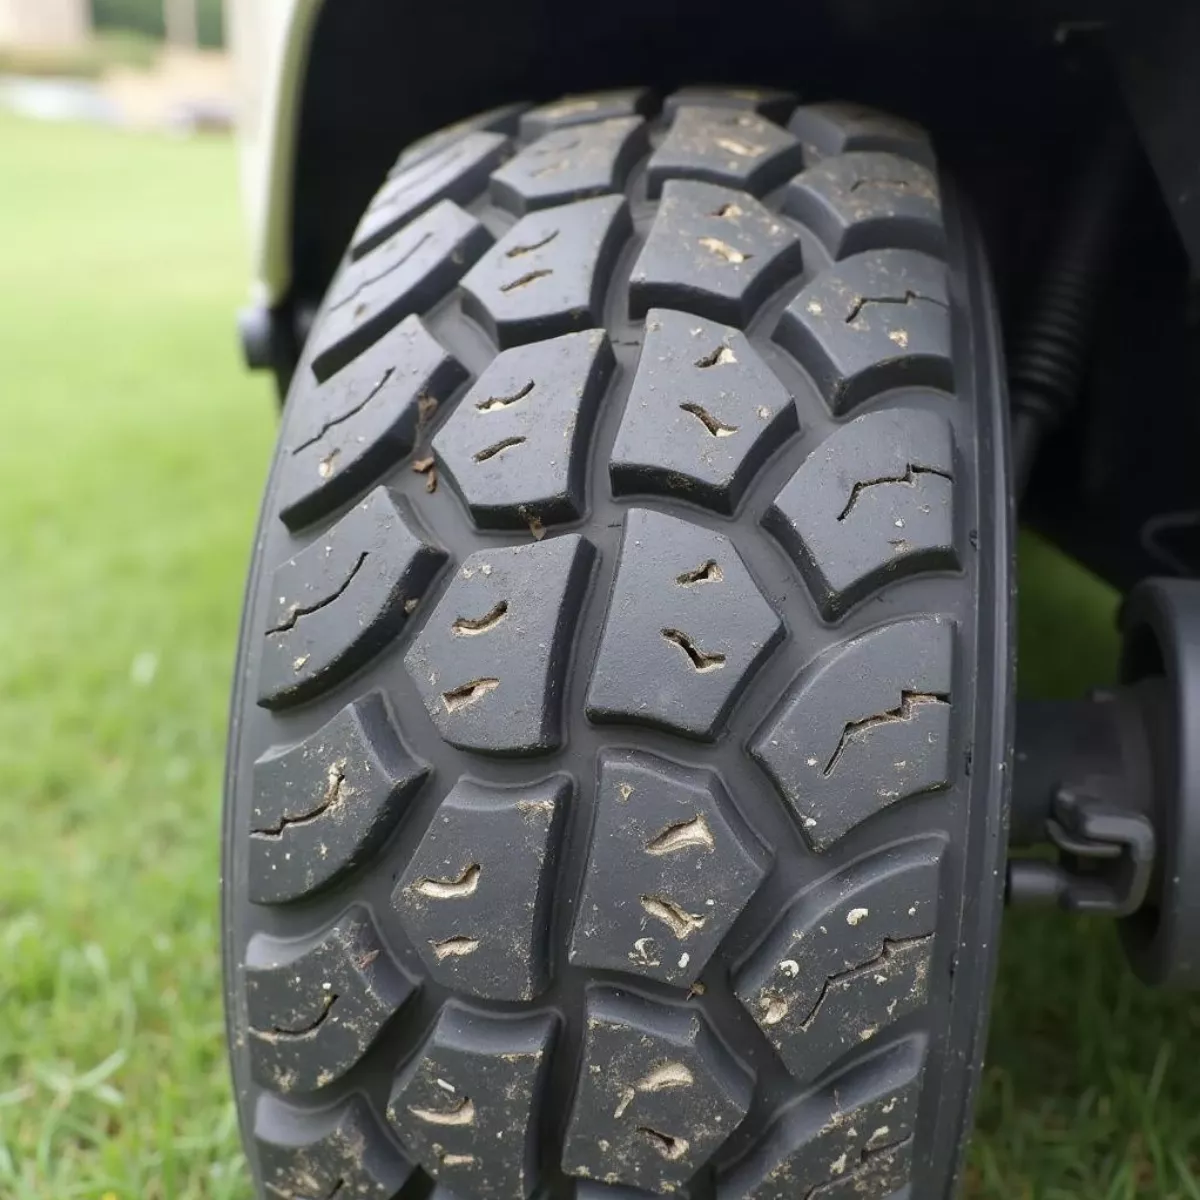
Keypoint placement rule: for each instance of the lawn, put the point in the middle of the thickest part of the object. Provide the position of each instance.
(132, 455)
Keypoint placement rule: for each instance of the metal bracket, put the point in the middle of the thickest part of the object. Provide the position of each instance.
(1105, 863)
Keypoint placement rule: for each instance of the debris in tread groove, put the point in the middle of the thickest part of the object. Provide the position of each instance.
(680, 922)
(517, 251)
(491, 451)
(682, 835)
(463, 1113)
(720, 357)
(468, 694)
(454, 947)
(450, 889)
(492, 403)
(470, 626)
(698, 659)
(715, 427)
(710, 572)
(725, 250)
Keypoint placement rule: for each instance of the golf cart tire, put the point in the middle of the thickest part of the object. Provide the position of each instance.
(615, 798)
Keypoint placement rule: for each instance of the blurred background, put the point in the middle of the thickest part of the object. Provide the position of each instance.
(133, 446)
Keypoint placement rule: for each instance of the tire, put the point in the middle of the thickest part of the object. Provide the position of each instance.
(615, 790)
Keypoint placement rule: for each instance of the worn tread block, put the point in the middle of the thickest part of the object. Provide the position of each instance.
(733, 147)
(466, 1108)
(338, 602)
(849, 957)
(323, 806)
(491, 661)
(872, 504)
(515, 448)
(838, 127)
(502, 119)
(705, 412)
(867, 200)
(313, 1013)
(773, 103)
(863, 727)
(571, 163)
(570, 111)
(853, 1140)
(712, 251)
(686, 629)
(875, 321)
(475, 898)
(334, 1154)
(657, 1094)
(407, 274)
(459, 171)
(363, 420)
(548, 274)
(668, 871)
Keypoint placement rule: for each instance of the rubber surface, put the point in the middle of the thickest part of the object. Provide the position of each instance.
(615, 785)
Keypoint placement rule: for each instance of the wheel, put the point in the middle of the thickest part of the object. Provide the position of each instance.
(615, 789)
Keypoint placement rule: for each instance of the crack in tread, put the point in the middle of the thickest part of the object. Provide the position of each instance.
(890, 948)
(866, 1161)
(333, 795)
(334, 422)
(473, 626)
(296, 611)
(904, 711)
(909, 297)
(491, 451)
(912, 470)
(370, 280)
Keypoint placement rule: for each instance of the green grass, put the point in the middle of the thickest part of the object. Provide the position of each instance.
(132, 451)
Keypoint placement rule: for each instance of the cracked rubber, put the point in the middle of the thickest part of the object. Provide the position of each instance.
(621, 713)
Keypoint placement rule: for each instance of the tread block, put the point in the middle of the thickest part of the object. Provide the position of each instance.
(356, 425)
(704, 414)
(516, 447)
(571, 163)
(772, 103)
(875, 321)
(714, 252)
(491, 660)
(502, 119)
(338, 1154)
(686, 629)
(868, 200)
(657, 1094)
(406, 274)
(466, 1108)
(863, 727)
(315, 1012)
(667, 873)
(323, 806)
(730, 146)
(458, 171)
(338, 602)
(476, 896)
(548, 274)
(851, 1141)
(872, 504)
(570, 111)
(838, 127)
(850, 956)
